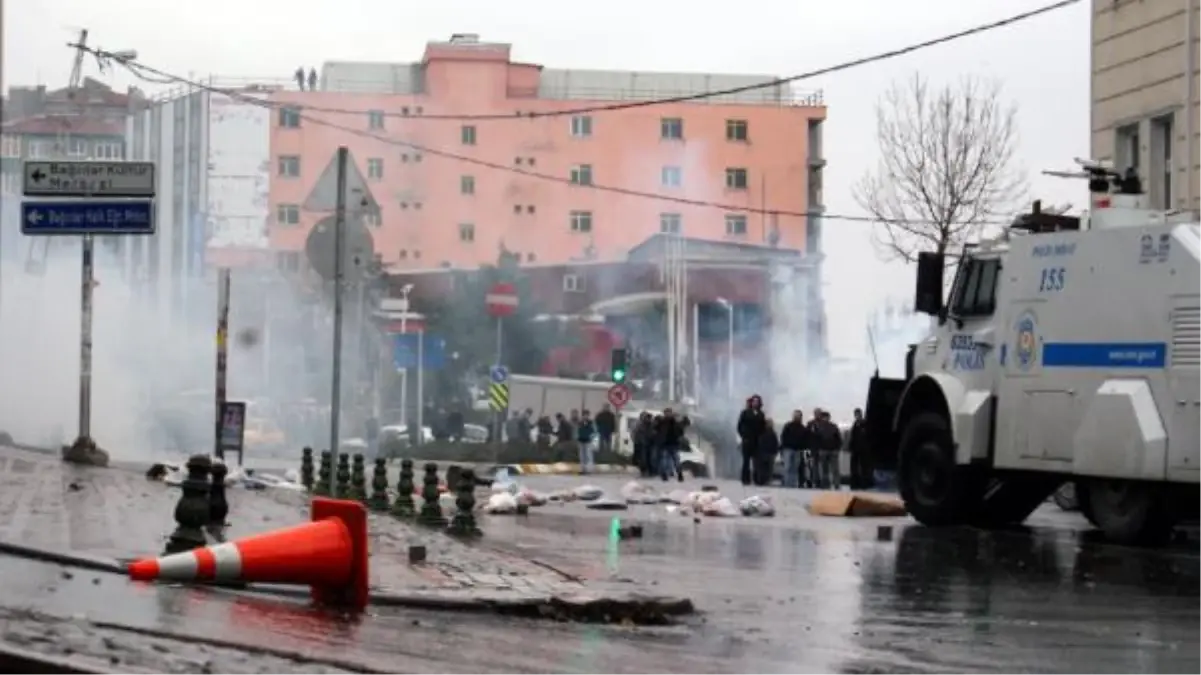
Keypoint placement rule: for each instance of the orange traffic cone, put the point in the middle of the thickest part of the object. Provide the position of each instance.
(328, 554)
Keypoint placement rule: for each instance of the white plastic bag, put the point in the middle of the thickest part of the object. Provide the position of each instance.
(529, 497)
(721, 507)
(635, 492)
(757, 506)
(501, 502)
(587, 493)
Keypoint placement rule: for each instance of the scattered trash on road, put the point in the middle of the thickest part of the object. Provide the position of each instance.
(757, 506)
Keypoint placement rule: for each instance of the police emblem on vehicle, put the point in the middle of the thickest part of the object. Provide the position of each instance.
(1026, 347)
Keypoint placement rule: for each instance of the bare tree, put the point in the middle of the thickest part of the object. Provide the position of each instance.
(946, 167)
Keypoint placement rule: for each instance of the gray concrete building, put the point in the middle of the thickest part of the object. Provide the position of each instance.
(1145, 94)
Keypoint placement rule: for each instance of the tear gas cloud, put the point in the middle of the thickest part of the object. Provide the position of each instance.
(153, 373)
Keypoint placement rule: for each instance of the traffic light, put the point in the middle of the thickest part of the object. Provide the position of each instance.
(617, 369)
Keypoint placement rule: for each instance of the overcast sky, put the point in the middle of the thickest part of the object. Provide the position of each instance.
(1043, 64)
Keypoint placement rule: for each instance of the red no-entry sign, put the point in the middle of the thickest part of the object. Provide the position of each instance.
(501, 299)
(619, 395)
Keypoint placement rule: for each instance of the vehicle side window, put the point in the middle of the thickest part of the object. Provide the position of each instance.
(975, 292)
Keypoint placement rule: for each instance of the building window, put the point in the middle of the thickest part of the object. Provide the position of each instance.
(1125, 149)
(573, 283)
(1161, 160)
(736, 130)
(375, 119)
(669, 223)
(671, 129)
(287, 214)
(108, 151)
(467, 135)
(466, 232)
(736, 179)
(375, 168)
(10, 146)
(289, 118)
(735, 224)
(77, 148)
(529, 208)
(372, 218)
(517, 208)
(10, 183)
(289, 166)
(40, 149)
(671, 177)
(581, 174)
(466, 185)
(581, 221)
(581, 126)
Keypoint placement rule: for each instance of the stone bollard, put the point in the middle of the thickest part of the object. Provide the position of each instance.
(379, 486)
(306, 468)
(404, 507)
(324, 471)
(192, 509)
(431, 508)
(218, 505)
(342, 487)
(358, 479)
(463, 524)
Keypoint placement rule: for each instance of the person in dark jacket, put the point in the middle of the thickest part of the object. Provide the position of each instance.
(765, 453)
(670, 433)
(606, 426)
(794, 441)
(644, 444)
(565, 432)
(750, 429)
(829, 444)
(585, 436)
(861, 469)
(545, 430)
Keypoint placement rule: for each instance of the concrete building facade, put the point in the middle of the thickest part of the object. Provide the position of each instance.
(453, 193)
(1145, 94)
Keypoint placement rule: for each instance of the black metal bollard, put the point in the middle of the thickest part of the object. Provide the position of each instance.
(463, 524)
(218, 505)
(358, 479)
(431, 508)
(342, 488)
(324, 471)
(306, 468)
(379, 486)
(404, 507)
(192, 509)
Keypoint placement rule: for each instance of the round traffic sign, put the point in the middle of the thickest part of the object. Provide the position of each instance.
(619, 395)
(501, 299)
(498, 374)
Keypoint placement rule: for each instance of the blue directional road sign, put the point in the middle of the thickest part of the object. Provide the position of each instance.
(48, 218)
(404, 351)
(498, 374)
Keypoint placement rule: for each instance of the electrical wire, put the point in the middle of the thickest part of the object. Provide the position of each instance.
(149, 73)
(699, 96)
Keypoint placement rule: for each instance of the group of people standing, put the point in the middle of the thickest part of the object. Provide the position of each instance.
(658, 441)
(810, 449)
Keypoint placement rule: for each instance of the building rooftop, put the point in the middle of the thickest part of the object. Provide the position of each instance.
(49, 125)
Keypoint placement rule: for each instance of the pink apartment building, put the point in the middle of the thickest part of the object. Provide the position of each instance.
(758, 151)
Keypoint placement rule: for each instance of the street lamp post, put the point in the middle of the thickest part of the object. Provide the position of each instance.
(729, 307)
(404, 372)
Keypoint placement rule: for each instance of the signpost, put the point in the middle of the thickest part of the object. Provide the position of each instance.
(501, 301)
(231, 437)
(94, 201)
(619, 395)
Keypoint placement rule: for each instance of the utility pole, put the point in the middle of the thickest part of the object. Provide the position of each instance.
(335, 395)
(87, 281)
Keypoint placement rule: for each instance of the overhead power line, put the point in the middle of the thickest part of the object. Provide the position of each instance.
(699, 96)
(151, 74)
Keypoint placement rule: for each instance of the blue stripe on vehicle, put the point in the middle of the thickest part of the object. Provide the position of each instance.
(1105, 354)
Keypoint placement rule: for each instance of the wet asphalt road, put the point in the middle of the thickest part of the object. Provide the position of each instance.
(795, 593)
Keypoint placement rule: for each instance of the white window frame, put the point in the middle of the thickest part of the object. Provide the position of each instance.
(375, 120)
(732, 125)
(580, 221)
(375, 168)
(581, 126)
(671, 176)
(289, 117)
(736, 225)
(10, 146)
(77, 147)
(287, 215)
(581, 174)
(40, 149)
(108, 150)
(372, 218)
(467, 233)
(671, 128)
(573, 283)
(670, 223)
(288, 166)
(732, 178)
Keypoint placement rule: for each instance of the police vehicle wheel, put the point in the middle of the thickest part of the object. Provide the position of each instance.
(1129, 512)
(936, 490)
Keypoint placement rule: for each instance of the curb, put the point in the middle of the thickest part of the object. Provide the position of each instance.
(565, 469)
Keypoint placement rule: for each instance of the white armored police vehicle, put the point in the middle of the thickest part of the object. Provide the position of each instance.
(1065, 351)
